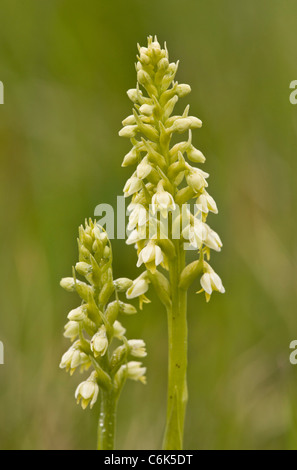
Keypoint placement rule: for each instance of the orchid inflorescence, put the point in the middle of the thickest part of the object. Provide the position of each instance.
(93, 326)
(164, 182)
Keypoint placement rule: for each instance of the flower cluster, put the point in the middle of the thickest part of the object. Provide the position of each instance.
(164, 181)
(93, 326)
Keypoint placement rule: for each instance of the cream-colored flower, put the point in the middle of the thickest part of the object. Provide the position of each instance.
(68, 283)
(118, 329)
(87, 392)
(162, 201)
(195, 233)
(132, 185)
(212, 239)
(136, 235)
(99, 342)
(132, 370)
(138, 216)
(128, 131)
(74, 358)
(206, 203)
(71, 330)
(210, 281)
(195, 155)
(77, 314)
(151, 255)
(183, 124)
(135, 371)
(139, 286)
(144, 168)
(196, 178)
(137, 347)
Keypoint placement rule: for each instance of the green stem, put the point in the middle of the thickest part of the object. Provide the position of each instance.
(177, 371)
(107, 420)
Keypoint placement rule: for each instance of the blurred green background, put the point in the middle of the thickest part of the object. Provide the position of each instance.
(66, 66)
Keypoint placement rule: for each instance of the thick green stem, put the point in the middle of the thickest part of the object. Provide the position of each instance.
(178, 341)
(107, 421)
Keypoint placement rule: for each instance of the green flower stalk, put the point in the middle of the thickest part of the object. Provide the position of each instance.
(98, 338)
(160, 220)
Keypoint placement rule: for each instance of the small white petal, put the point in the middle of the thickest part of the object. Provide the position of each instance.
(205, 282)
(158, 255)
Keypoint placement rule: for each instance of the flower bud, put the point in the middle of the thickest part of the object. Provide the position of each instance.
(144, 168)
(83, 268)
(133, 94)
(163, 64)
(99, 342)
(143, 78)
(131, 158)
(68, 284)
(185, 123)
(77, 314)
(129, 121)
(71, 330)
(127, 309)
(106, 252)
(122, 284)
(118, 329)
(194, 155)
(146, 109)
(128, 131)
(132, 185)
(183, 90)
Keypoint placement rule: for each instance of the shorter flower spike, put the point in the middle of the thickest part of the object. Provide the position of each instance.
(93, 326)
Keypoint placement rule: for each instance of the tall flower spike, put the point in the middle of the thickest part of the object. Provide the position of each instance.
(162, 182)
(95, 329)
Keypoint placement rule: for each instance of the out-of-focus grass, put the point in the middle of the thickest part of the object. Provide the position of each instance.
(66, 67)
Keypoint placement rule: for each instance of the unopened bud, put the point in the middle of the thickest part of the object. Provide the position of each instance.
(127, 309)
(183, 90)
(122, 284)
(77, 314)
(68, 284)
(83, 268)
(194, 155)
(128, 131)
(146, 109)
(130, 120)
